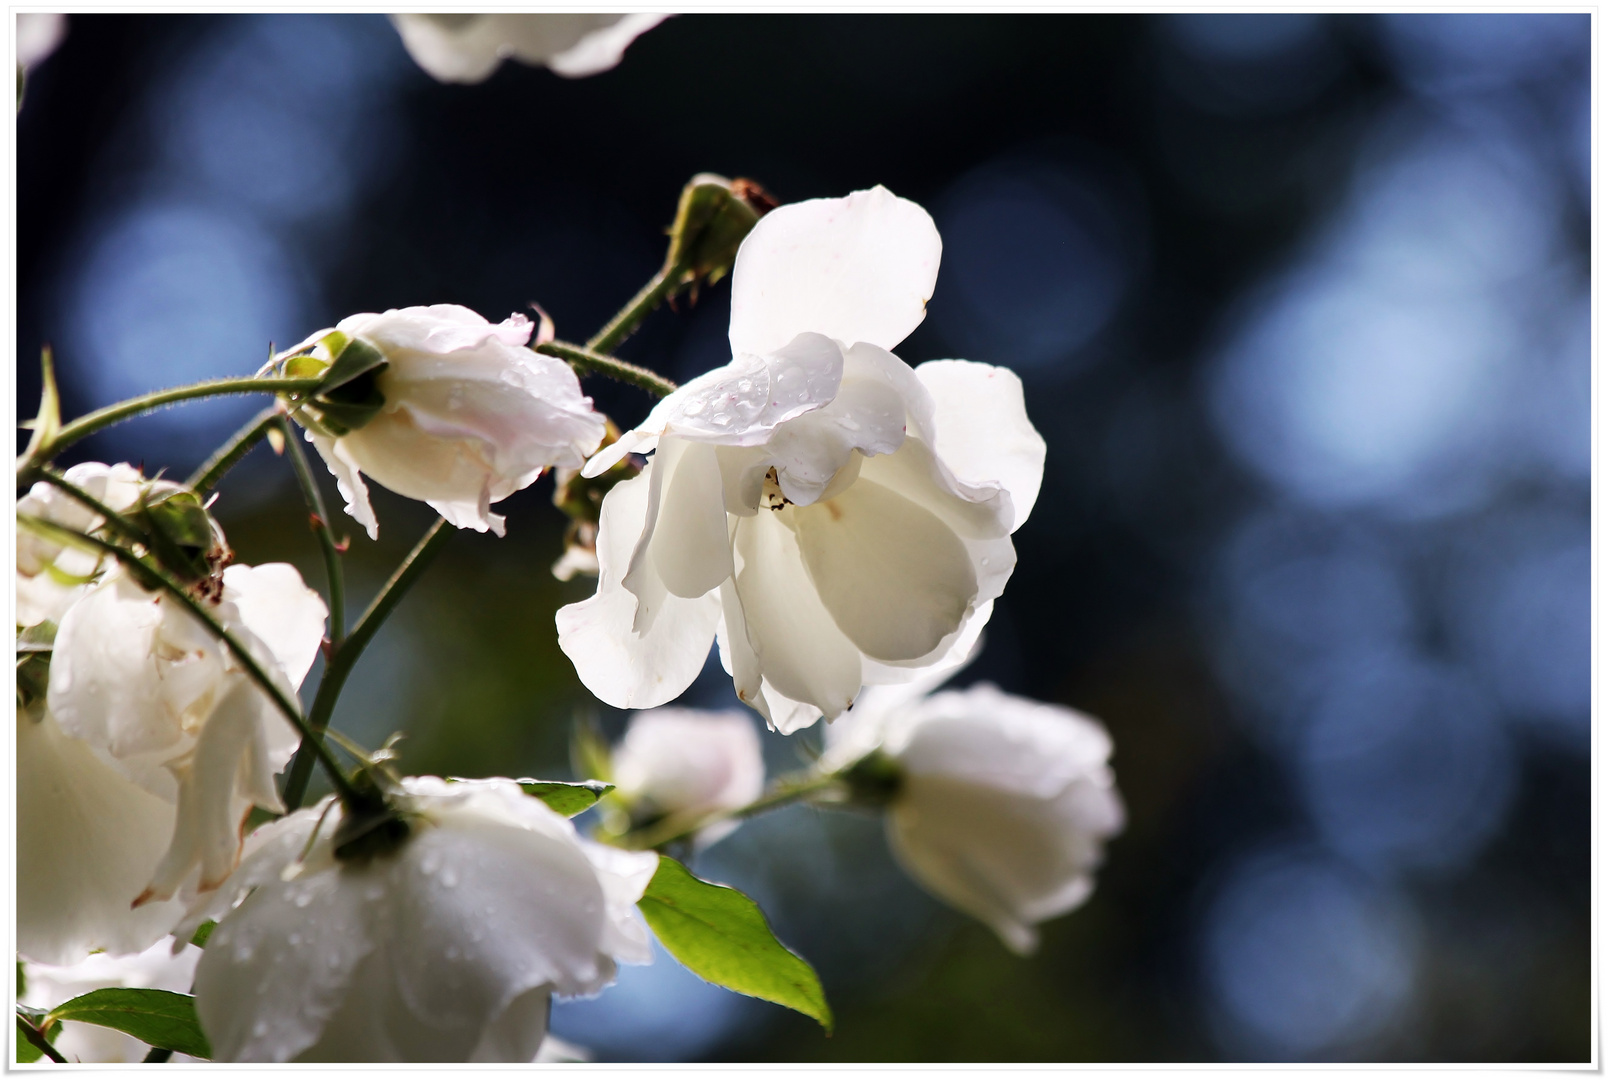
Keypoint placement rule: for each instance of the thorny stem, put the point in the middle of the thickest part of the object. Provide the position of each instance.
(229, 454)
(103, 418)
(344, 656)
(783, 792)
(588, 360)
(326, 533)
(662, 284)
(152, 576)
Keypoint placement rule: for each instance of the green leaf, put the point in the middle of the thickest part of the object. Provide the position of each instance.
(160, 1017)
(567, 799)
(27, 1052)
(202, 933)
(722, 937)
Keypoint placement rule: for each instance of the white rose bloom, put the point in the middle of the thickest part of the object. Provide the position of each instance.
(690, 762)
(831, 516)
(1004, 803)
(146, 686)
(88, 840)
(38, 34)
(467, 48)
(445, 949)
(470, 417)
(157, 968)
(51, 576)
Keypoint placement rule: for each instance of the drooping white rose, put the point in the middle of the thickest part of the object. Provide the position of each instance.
(50, 576)
(88, 840)
(470, 415)
(1002, 804)
(158, 968)
(446, 948)
(467, 48)
(690, 763)
(154, 694)
(831, 516)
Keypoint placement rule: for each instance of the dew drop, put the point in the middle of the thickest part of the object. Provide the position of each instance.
(449, 877)
(259, 1029)
(293, 940)
(693, 408)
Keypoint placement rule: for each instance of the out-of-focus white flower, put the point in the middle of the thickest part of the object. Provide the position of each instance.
(446, 948)
(38, 34)
(832, 517)
(51, 576)
(466, 48)
(153, 694)
(1002, 805)
(690, 763)
(575, 560)
(470, 415)
(157, 968)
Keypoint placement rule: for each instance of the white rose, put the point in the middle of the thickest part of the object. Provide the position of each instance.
(51, 576)
(831, 516)
(445, 949)
(88, 840)
(38, 34)
(1003, 804)
(145, 685)
(470, 416)
(158, 968)
(691, 763)
(467, 48)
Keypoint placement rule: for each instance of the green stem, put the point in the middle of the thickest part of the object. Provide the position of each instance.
(326, 534)
(229, 454)
(37, 1038)
(665, 282)
(588, 360)
(783, 792)
(124, 410)
(158, 1055)
(343, 658)
(153, 577)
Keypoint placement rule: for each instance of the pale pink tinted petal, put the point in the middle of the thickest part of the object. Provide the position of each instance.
(349, 481)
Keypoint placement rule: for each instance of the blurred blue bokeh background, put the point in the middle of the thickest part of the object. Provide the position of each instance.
(1302, 307)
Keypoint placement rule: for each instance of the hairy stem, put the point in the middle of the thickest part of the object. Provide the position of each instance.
(666, 281)
(229, 454)
(784, 791)
(344, 657)
(112, 414)
(326, 533)
(154, 577)
(587, 361)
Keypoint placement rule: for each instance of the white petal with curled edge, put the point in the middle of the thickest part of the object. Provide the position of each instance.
(800, 650)
(348, 481)
(690, 544)
(895, 578)
(603, 48)
(277, 969)
(105, 687)
(624, 876)
(519, 1034)
(982, 431)
(434, 328)
(278, 607)
(87, 841)
(859, 268)
(739, 404)
(620, 666)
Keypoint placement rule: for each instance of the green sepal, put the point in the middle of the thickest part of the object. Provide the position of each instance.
(203, 933)
(179, 530)
(721, 936)
(47, 423)
(350, 395)
(159, 1017)
(713, 217)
